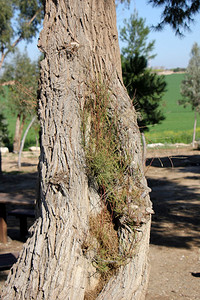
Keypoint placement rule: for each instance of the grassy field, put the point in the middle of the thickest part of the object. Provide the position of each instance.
(178, 125)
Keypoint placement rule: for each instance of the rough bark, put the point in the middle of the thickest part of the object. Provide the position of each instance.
(80, 42)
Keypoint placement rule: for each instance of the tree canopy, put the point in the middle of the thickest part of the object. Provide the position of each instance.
(179, 14)
(19, 20)
(190, 86)
(23, 92)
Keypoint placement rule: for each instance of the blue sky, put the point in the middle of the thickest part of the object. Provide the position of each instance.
(172, 51)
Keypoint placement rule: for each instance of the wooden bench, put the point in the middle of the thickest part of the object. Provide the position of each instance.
(7, 260)
(22, 214)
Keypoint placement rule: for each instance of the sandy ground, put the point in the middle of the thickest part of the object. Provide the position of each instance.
(174, 177)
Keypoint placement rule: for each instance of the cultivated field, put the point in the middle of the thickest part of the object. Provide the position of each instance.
(178, 125)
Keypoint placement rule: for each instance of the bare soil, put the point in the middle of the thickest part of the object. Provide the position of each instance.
(174, 177)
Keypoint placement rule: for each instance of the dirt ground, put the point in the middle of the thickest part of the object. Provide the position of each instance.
(174, 177)
(15, 181)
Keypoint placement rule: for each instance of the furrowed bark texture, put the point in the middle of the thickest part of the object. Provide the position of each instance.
(80, 42)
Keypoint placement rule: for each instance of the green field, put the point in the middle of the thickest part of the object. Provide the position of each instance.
(178, 125)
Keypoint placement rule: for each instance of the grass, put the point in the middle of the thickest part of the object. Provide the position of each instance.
(178, 125)
(108, 170)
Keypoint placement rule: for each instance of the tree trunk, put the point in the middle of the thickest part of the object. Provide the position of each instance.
(18, 133)
(194, 129)
(80, 43)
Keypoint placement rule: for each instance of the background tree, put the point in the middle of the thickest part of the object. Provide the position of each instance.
(22, 94)
(19, 20)
(4, 137)
(135, 35)
(190, 86)
(144, 87)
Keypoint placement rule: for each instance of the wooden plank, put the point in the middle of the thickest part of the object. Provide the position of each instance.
(16, 199)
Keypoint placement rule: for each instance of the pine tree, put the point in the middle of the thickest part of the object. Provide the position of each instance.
(144, 87)
(135, 35)
(190, 86)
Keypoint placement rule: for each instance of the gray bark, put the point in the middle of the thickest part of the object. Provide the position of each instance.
(80, 41)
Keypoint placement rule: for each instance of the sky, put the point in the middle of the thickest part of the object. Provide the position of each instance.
(171, 51)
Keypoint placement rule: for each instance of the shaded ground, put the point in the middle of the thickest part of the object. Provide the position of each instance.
(175, 237)
(15, 181)
(174, 178)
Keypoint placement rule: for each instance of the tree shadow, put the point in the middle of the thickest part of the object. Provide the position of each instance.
(18, 182)
(23, 186)
(174, 161)
(176, 204)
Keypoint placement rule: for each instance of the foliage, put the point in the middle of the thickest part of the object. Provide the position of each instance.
(4, 139)
(22, 76)
(190, 86)
(135, 35)
(144, 87)
(22, 94)
(176, 70)
(177, 13)
(19, 20)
